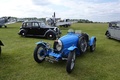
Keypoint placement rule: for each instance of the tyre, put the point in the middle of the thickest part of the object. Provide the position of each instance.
(0, 50)
(82, 44)
(93, 47)
(39, 53)
(51, 35)
(71, 61)
(5, 26)
(107, 34)
(23, 33)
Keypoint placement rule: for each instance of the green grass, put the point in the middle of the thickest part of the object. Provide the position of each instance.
(17, 63)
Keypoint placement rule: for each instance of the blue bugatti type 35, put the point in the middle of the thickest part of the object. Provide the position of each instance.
(66, 48)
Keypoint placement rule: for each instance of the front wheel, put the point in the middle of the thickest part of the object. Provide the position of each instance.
(108, 35)
(39, 53)
(51, 36)
(23, 33)
(71, 61)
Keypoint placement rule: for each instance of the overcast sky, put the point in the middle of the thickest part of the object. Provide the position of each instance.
(95, 10)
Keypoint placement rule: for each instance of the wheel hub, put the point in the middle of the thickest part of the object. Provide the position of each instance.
(50, 35)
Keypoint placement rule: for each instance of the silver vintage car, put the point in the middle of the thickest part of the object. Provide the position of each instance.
(113, 30)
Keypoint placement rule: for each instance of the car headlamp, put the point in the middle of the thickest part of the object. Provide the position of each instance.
(55, 29)
(58, 45)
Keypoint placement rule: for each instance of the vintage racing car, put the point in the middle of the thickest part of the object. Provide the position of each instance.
(65, 48)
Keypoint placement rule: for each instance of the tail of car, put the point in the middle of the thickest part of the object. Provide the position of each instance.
(91, 41)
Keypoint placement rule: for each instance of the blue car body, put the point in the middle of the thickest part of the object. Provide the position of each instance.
(70, 43)
(65, 48)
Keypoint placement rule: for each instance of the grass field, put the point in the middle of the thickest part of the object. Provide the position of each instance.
(17, 63)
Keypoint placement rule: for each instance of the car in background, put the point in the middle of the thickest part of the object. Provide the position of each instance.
(39, 29)
(113, 30)
(1, 44)
(68, 47)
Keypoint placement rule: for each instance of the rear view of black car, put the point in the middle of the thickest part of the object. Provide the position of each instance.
(39, 29)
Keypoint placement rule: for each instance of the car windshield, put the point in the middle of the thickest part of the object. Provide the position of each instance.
(78, 31)
(118, 24)
(42, 24)
(114, 25)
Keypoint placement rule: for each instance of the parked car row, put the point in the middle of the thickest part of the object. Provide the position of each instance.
(67, 47)
(40, 29)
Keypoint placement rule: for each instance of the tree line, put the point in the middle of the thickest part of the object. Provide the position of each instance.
(43, 19)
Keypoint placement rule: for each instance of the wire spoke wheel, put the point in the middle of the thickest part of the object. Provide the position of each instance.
(82, 44)
(39, 53)
(93, 47)
(71, 61)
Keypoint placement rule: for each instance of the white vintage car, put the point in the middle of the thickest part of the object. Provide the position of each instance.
(113, 30)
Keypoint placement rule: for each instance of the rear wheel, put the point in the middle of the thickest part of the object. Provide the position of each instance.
(71, 61)
(93, 47)
(82, 44)
(5, 26)
(39, 53)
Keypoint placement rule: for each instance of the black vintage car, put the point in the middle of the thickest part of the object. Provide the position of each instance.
(39, 29)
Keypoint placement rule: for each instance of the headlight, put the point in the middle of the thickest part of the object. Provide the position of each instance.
(58, 45)
(55, 29)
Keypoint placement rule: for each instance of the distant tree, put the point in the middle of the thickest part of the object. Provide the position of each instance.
(84, 21)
